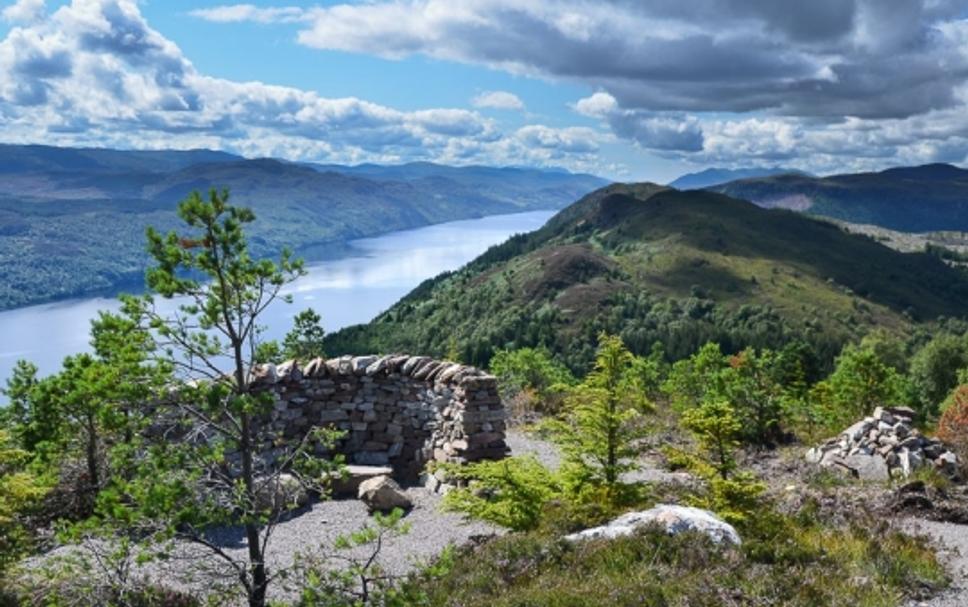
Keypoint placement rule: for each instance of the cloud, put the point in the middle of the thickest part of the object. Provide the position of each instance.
(94, 73)
(234, 13)
(662, 132)
(24, 11)
(696, 80)
(581, 140)
(864, 58)
(498, 100)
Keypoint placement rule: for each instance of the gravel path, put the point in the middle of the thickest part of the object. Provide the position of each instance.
(952, 541)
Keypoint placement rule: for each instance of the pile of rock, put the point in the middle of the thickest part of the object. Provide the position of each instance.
(883, 446)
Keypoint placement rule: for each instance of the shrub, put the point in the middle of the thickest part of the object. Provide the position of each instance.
(934, 370)
(20, 492)
(510, 492)
(953, 425)
(532, 378)
(860, 382)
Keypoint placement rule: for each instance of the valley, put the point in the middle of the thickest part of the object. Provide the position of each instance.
(72, 221)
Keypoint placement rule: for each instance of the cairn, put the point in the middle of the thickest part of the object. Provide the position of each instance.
(884, 446)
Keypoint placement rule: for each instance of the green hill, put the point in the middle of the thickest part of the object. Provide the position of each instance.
(72, 220)
(909, 199)
(656, 264)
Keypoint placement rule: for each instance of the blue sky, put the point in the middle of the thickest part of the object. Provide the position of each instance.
(628, 90)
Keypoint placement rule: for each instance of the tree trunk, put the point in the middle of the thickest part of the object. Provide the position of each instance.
(257, 566)
(91, 453)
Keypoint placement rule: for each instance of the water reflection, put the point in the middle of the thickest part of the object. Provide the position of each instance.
(345, 291)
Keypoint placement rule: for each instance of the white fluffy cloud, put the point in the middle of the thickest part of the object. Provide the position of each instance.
(498, 100)
(826, 84)
(24, 11)
(94, 73)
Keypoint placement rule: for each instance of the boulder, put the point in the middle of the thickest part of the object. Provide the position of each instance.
(674, 519)
(281, 492)
(383, 494)
(868, 467)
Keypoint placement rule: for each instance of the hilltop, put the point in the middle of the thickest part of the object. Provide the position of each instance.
(656, 264)
(910, 199)
(716, 176)
(72, 220)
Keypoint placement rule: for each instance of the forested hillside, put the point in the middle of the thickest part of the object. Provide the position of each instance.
(910, 199)
(72, 220)
(682, 268)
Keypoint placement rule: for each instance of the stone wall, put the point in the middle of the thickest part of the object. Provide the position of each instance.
(402, 411)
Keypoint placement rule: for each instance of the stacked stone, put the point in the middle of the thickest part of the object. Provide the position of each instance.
(884, 446)
(399, 410)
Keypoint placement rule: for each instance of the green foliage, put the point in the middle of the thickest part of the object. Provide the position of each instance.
(860, 382)
(654, 265)
(533, 368)
(717, 429)
(305, 340)
(760, 387)
(162, 490)
(360, 581)
(934, 370)
(692, 378)
(796, 561)
(603, 420)
(511, 492)
(20, 492)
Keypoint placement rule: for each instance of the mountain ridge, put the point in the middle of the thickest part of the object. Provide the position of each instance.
(77, 226)
(922, 198)
(652, 263)
(717, 176)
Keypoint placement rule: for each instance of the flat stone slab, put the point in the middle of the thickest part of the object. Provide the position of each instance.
(355, 475)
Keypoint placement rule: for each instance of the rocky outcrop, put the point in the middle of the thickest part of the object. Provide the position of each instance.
(883, 446)
(399, 411)
(674, 519)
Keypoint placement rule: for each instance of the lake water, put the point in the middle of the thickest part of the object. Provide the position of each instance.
(344, 291)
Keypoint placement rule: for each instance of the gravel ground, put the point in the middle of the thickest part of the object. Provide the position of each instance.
(312, 531)
(952, 541)
(547, 453)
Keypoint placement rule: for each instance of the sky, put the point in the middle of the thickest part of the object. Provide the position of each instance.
(626, 89)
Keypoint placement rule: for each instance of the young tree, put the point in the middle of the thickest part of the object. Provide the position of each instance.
(213, 475)
(305, 340)
(859, 383)
(716, 427)
(692, 378)
(757, 398)
(604, 420)
(934, 370)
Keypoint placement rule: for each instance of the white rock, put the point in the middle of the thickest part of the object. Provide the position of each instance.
(281, 492)
(675, 519)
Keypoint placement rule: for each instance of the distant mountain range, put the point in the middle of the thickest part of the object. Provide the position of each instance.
(714, 176)
(651, 263)
(908, 199)
(72, 220)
